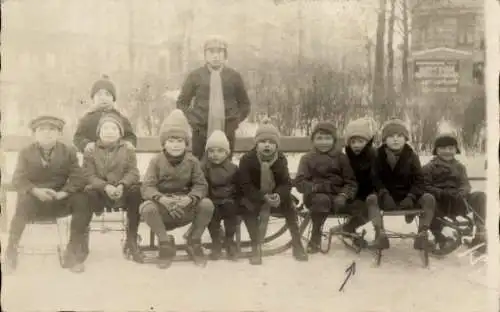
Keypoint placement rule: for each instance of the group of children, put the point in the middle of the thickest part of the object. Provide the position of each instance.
(178, 189)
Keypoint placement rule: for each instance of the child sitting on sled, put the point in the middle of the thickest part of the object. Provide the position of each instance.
(446, 179)
(221, 175)
(49, 184)
(113, 178)
(327, 181)
(175, 191)
(265, 184)
(399, 182)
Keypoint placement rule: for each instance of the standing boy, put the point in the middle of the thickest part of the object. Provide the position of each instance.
(103, 95)
(175, 191)
(213, 97)
(399, 182)
(49, 185)
(265, 184)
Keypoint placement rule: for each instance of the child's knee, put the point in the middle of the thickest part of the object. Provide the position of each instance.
(428, 201)
(206, 207)
(148, 208)
(320, 202)
(372, 200)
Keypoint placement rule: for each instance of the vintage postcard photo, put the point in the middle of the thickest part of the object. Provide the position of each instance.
(252, 155)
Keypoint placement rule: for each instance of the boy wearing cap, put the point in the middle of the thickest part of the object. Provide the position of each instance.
(103, 95)
(221, 175)
(175, 191)
(446, 179)
(213, 97)
(399, 182)
(113, 178)
(327, 181)
(265, 185)
(49, 181)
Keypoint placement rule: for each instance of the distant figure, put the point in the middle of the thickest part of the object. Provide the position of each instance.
(213, 97)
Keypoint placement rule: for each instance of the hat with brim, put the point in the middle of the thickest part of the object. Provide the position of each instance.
(56, 122)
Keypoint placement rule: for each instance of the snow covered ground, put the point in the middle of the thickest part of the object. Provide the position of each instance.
(113, 284)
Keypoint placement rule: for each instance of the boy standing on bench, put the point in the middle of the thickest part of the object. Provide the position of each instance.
(49, 184)
(399, 182)
(446, 179)
(113, 178)
(327, 181)
(221, 175)
(175, 191)
(265, 184)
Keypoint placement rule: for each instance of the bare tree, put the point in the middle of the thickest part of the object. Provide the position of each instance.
(405, 82)
(378, 92)
(390, 90)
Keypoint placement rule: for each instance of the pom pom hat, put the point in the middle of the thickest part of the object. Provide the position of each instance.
(394, 126)
(175, 125)
(218, 139)
(110, 118)
(103, 83)
(361, 128)
(324, 126)
(445, 139)
(266, 131)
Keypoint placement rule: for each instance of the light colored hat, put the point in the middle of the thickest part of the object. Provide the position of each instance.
(110, 118)
(47, 120)
(361, 127)
(218, 139)
(175, 125)
(215, 42)
(394, 126)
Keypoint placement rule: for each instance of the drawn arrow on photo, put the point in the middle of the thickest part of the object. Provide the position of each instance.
(350, 271)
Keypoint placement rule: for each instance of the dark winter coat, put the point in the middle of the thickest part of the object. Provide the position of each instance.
(195, 93)
(61, 173)
(115, 164)
(362, 164)
(86, 130)
(222, 180)
(328, 173)
(249, 179)
(440, 175)
(406, 179)
(184, 178)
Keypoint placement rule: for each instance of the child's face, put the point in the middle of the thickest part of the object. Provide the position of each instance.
(266, 147)
(446, 152)
(103, 98)
(215, 57)
(109, 132)
(47, 135)
(323, 141)
(357, 144)
(217, 155)
(395, 142)
(175, 146)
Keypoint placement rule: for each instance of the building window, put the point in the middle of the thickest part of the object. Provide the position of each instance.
(466, 31)
(478, 73)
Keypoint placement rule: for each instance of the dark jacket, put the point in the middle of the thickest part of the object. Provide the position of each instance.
(440, 175)
(329, 173)
(362, 164)
(406, 179)
(222, 180)
(86, 130)
(116, 164)
(195, 93)
(61, 173)
(249, 179)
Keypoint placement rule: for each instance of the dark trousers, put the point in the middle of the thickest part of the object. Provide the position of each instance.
(453, 206)
(226, 211)
(130, 201)
(199, 139)
(31, 209)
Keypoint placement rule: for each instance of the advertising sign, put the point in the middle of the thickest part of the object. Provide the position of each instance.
(437, 76)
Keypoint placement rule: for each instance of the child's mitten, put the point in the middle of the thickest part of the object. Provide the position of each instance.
(339, 201)
(406, 203)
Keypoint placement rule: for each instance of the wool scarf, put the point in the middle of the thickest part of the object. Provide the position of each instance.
(267, 182)
(392, 157)
(216, 109)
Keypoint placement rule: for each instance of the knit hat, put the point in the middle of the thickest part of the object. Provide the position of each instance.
(324, 126)
(103, 83)
(47, 120)
(361, 127)
(445, 139)
(394, 126)
(218, 139)
(215, 42)
(266, 131)
(110, 118)
(175, 125)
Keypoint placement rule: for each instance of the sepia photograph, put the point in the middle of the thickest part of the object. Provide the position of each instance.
(252, 155)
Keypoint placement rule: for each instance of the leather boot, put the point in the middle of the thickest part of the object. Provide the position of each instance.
(195, 251)
(166, 253)
(256, 256)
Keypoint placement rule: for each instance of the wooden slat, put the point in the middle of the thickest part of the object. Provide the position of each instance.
(152, 144)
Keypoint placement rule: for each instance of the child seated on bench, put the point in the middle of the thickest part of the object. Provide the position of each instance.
(399, 181)
(265, 184)
(175, 191)
(327, 181)
(446, 179)
(113, 178)
(221, 175)
(49, 184)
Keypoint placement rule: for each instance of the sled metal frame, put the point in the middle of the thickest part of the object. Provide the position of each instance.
(391, 235)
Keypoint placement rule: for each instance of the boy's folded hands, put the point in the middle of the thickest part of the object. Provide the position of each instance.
(90, 147)
(339, 201)
(387, 200)
(325, 187)
(44, 194)
(273, 200)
